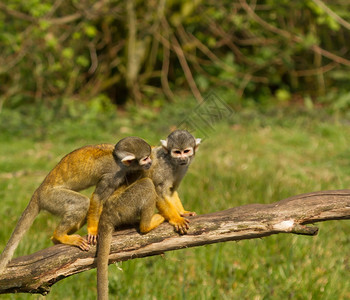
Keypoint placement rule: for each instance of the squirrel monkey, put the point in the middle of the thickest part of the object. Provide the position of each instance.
(105, 166)
(127, 205)
(170, 164)
(138, 201)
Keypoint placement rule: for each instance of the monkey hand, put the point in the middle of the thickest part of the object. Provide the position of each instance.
(180, 224)
(92, 238)
(188, 214)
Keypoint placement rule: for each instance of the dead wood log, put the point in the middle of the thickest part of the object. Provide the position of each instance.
(37, 272)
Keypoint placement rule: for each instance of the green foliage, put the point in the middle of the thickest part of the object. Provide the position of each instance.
(253, 157)
(128, 50)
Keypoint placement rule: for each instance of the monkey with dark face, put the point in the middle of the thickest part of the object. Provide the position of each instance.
(104, 166)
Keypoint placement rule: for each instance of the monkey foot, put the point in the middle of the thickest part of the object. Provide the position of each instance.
(181, 225)
(74, 240)
(84, 245)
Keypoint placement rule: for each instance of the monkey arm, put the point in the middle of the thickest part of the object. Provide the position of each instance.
(170, 213)
(179, 207)
(93, 217)
(103, 190)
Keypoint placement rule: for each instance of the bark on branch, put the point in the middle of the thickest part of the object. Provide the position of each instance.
(37, 272)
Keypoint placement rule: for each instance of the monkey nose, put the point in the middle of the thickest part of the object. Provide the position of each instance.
(183, 161)
(148, 165)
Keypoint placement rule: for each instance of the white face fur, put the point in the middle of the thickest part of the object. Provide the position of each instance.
(144, 162)
(182, 154)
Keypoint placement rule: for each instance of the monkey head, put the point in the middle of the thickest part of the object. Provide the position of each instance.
(181, 146)
(133, 153)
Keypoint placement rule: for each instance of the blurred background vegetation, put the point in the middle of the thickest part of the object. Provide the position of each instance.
(77, 72)
(57, 53)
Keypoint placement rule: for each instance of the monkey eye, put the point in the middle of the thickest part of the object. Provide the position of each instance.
(145, 160)
(187, 151)
(177, 151)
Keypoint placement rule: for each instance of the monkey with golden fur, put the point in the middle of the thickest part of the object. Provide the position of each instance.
(170, 163)
(104, 166)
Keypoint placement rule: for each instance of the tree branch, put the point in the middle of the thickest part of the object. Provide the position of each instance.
(37, 272)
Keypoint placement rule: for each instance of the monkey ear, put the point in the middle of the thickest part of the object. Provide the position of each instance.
(198, 141)
(164, 145)
(126, 160)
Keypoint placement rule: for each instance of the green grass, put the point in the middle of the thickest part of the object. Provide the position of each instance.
(251, 158)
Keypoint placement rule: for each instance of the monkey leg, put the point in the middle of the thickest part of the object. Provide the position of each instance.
(147, 224)
(170, 213)
(178, 205)
(72, 207)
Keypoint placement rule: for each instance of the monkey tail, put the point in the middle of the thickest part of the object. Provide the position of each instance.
(104, 247)
(25, 221)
